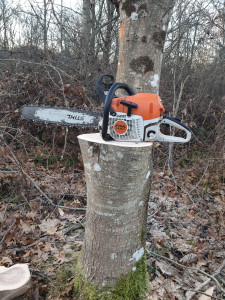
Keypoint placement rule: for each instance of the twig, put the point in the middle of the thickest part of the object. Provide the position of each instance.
(72, 208)
(7, 231)
(73, 227)
(24, 248)
(60, 200)
(200, 178)
(38, 273)
(65, 143)
(62, 83)
(28, 176)
(38, 188)
(189, 196)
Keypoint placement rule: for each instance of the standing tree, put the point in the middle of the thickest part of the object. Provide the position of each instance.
(113, 264)
(43, 17)
(143, 26)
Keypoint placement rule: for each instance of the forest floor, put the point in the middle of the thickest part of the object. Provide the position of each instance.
(42, 218)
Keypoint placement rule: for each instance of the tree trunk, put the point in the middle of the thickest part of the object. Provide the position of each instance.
(88, 32)
(108, 37)
(143, 26)
(118, 186)
(14, 281)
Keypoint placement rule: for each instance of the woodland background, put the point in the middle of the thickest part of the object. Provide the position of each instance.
(51, 54)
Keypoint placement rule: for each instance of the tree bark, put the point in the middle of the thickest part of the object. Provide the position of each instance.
(118, 186)
(143, 26)
(88, 30)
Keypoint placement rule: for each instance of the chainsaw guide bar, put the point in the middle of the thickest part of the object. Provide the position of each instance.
(61, 116)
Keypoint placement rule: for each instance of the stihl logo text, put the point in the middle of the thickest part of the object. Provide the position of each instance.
(120, 127)
(79, 118)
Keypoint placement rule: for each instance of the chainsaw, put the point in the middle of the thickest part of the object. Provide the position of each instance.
(131, 118)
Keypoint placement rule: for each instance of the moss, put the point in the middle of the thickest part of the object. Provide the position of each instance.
(132, 286)
(142, 64)
(159, 38)
(129, 7)
(62, 281)
(143, 235)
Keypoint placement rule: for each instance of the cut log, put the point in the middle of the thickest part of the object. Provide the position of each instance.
(118, 185)
(14, 281)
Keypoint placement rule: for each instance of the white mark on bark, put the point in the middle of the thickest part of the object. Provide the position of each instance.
(88, 166)
(164, 27)
(109, 202)
(103, 214)
(134, 269)
(113, 256)
(138, 254)
(148, 174)
(97, 168)
(120, 155)
(103, 283)
(134, 16)
(90, 150)
(140, 203)
(154, 82)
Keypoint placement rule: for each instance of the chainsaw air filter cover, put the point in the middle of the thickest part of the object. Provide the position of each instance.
(124, 128)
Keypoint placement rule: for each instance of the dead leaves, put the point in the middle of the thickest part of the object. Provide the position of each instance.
(183, 228)
(49, 226)
(207, 294)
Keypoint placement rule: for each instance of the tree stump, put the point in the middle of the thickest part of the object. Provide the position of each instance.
(118, 186)
(14, 281)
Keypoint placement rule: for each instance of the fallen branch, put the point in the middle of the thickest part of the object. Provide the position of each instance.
(44, 238)
(73, 227)
(80, 209)
(203, 293)
(211, 277)
(24, 248)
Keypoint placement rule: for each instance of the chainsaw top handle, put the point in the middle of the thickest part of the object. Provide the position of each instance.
(109, 97)
(103, 86)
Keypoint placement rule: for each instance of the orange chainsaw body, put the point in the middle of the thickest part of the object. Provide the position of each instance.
(149, 105)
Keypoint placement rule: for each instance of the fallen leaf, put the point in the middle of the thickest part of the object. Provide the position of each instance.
(26, 228)
(189, 259)
(165, 269)
(49, 226)
(6, 261)
(209, 292)
(61, 212)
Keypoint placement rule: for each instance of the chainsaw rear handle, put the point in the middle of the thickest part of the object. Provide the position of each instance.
(107, 86)
(108, 101)
(177, 124)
